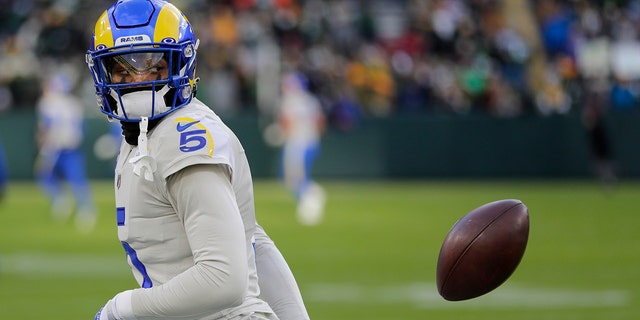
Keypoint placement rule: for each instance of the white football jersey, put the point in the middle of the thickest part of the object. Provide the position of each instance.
(161, 241)
(61, 121)
(303, 110)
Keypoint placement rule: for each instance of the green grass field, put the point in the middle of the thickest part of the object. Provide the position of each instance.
(372, 258)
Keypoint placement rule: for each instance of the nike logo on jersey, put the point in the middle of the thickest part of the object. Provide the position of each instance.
(182, 127)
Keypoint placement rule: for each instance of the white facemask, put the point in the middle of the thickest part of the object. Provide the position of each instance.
(139, 104)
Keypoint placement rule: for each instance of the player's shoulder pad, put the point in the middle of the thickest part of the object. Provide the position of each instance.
(190, 135)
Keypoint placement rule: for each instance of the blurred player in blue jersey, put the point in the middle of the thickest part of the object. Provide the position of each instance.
(60, 163)
(184, 193)
(302, 122)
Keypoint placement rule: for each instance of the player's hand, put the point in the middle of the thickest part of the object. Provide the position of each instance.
(99, 315)
(106, 312)
(118, 308)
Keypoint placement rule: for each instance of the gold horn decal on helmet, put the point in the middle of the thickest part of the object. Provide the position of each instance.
(102, 32)
(168, 25)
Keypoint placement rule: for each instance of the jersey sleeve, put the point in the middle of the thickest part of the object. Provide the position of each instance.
(204, 199)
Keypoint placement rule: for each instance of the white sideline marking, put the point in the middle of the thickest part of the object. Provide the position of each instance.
(425, 296)
(62, 264)
(422, 294)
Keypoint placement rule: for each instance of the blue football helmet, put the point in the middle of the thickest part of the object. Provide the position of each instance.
(133, 37)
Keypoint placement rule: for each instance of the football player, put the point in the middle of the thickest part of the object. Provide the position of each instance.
(184, 193)
(303, 123)
(60, 158)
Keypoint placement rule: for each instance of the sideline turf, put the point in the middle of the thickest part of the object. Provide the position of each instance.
(373, 257)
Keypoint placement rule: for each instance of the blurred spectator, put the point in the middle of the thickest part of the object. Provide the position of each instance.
(440, 56)
(59, 37)
(594, 121)
(598, 70)
(346, 112)
(370, 75)
(18, 73)
(625, 92)
(556, 27)
(60, 162)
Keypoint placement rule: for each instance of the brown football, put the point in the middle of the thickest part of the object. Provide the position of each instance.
(482, 249)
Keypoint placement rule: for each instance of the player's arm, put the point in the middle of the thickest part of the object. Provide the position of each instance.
(277, 284)
(204, 199)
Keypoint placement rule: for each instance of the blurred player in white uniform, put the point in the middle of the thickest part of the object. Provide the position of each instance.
(60, 161)
(184, 192)
(302, 121)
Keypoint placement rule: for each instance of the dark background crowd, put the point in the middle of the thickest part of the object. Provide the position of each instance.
(364, 57)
